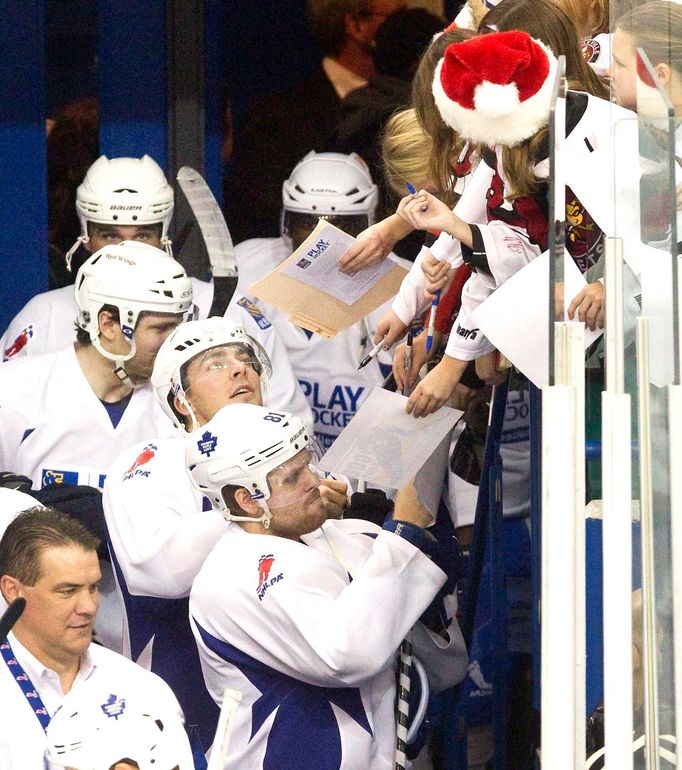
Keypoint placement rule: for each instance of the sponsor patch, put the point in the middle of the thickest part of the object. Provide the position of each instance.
(255, 313)
(52, 476)
(22, 339)
(147, 454)
(264, 580)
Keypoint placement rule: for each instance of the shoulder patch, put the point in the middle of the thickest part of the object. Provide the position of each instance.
(264, 580)
(591, 49)
(145, 456)
(52, 476)
(254, 311)
(19, 343)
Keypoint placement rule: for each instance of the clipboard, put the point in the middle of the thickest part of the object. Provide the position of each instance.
(313, 308)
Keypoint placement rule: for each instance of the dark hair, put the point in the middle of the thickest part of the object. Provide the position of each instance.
(72, 147)
(33, 532)
(402, 39)
(327, 22)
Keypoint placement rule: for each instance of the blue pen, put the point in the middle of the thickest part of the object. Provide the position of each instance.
(432, 321)
(411, 189)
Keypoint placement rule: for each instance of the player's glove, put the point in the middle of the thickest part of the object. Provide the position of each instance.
(10, 480)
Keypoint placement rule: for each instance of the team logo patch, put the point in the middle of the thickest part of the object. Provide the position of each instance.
(255, 313)
(51, 476)
(19, 343)
(264, 580)
(147, 454)
(590, 50)
(207, 443)
(113, 706)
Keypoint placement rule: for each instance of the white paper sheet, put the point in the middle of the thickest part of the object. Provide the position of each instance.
(318, 265)
(384, 445)
(515, 318)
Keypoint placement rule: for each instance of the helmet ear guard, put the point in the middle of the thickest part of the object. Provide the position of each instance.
(185, 343)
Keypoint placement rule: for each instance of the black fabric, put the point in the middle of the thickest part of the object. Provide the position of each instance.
(278, 130)
(370, 505)
(475, 256)
(11, 480)
(82, 502)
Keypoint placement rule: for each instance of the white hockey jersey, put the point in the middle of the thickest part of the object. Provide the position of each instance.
(46, 323)
(54, 429)
(312, 653)
(327, 370)
(158, 538)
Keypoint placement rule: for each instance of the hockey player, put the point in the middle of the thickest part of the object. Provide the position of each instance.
(312, 653)
(64, 416)
(120, 199)
(201, 367)
(337, 188)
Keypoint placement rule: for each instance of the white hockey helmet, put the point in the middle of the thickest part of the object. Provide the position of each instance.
(133, 277)
(331, 186)
(189, 340)
(124, 191)
(99, 726)
(240, 446)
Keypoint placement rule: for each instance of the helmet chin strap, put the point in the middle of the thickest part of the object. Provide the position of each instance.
(68, 257)
(167, 244)
(119, 360)
(264, 519)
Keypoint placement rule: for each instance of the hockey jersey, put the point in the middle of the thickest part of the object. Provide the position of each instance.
(55, 430)
(312, 653)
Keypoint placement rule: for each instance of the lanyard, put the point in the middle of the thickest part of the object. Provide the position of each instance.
(21, 678)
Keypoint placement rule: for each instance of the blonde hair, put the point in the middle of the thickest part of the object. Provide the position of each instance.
(656, 27)
(405, 151)
(447, 145)
(579, 11)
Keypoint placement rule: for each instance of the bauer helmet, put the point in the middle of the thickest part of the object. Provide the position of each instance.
(240, 446)
(98, 726)
(133, 277)
(188, 341)
(124, 191)
(331, 186)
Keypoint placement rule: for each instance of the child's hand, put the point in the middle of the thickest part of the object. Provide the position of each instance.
(437, 274)
(391, 328)
(591, 305)
(419, 356)
(425, 212)
(436, 388)
(374, 244)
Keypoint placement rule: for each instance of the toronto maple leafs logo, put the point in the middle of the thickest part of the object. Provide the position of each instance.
(207, 443)
(113, 707)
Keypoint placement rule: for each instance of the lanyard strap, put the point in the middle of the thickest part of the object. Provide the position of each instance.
(26, 685)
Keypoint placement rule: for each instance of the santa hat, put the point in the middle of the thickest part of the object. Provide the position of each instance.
(497, 88)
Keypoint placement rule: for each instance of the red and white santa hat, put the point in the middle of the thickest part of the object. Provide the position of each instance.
(497, 88)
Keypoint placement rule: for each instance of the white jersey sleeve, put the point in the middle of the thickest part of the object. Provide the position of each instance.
(156, 525)
(471, 208)
(466, 341)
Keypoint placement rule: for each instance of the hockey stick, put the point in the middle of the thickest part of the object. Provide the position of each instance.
(215, 234)
(223, 733)
(403, 703)
(11, 615)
